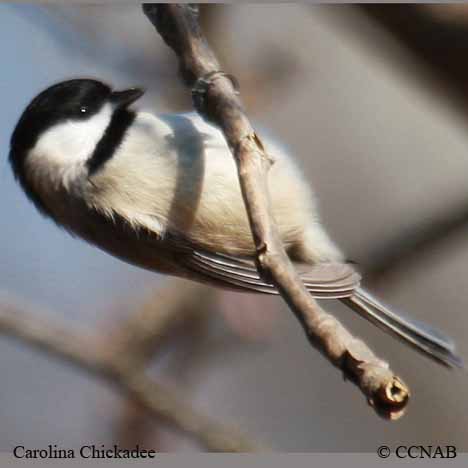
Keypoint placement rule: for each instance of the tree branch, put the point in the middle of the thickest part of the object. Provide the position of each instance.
(85, 352)
(215, 98)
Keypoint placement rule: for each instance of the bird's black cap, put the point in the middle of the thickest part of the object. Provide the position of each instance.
(62, 101)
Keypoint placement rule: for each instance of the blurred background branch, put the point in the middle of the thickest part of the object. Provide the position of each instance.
(437, 36)
(123, 369)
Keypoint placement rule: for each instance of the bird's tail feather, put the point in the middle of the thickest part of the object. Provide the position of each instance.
(425, 339)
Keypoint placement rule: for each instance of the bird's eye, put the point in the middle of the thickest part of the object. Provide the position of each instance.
(83, 109)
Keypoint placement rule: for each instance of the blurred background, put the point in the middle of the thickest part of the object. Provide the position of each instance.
(373, 102)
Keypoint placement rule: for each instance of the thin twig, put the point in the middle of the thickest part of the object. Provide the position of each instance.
(218, 102)
(85, 352)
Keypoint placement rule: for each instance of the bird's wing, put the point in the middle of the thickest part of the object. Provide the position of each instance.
(323, 281)
(176, 254)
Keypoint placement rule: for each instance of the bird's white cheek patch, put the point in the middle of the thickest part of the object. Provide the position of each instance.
(59, 155)
(72, 141)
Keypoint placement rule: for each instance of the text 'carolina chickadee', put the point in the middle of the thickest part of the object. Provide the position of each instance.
(162, 192)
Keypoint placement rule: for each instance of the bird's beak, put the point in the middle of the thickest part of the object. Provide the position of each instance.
(126, 97)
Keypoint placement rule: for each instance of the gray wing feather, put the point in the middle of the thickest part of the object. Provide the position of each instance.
(327, 280)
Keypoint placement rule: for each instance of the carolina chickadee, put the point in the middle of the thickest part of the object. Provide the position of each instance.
(162, 192)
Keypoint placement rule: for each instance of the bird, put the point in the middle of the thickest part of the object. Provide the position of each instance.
(161, 191)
